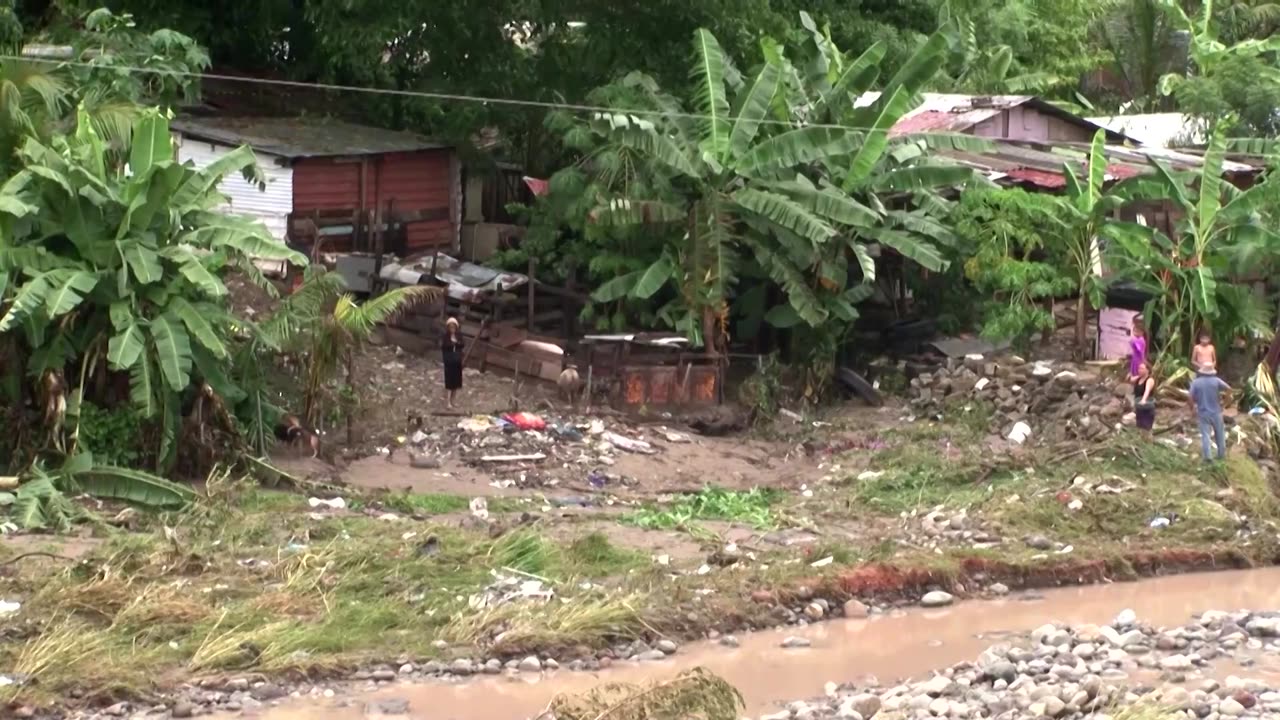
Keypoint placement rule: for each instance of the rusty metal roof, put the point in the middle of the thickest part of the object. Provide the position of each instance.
(1040, 165)
(951, 112)
(302, 137)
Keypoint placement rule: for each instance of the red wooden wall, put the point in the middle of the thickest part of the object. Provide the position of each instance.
(415, 181)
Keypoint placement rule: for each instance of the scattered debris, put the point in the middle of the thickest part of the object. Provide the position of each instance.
(332, 503)
(531, 457)
(628, 444)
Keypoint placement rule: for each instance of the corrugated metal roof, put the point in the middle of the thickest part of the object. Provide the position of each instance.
(952, 112)
(1157, 129)
(302, 137)
(1040, 165)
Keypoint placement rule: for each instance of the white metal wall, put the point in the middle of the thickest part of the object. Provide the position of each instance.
(272, 207)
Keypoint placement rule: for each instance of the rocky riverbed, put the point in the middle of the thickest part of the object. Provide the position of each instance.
(1199, 670)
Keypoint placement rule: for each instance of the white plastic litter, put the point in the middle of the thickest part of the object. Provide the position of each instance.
(1020, 432)
(9, 608)
(333, 503)
(628, 444)
(480, 508)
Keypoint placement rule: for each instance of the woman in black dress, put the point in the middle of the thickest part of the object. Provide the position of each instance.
(451, 348)
(1144, 404)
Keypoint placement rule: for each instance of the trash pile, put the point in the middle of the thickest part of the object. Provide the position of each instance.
(524, 449)
(1031, 400)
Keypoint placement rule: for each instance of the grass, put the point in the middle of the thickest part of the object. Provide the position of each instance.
(445, 504)
(245, 585)
(753, 507)
(913, 476)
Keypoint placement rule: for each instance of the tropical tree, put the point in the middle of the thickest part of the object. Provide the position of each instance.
(325, 326)
(978, 64)
(1144, 44)
(1225, 82)
(100, 76)
(113, 273)
(784, 175)
(1222, 232)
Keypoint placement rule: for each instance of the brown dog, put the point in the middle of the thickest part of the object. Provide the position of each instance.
(569, 384)
(290, 430)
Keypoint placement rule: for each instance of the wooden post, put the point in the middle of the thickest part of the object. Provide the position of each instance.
(568, 308)
(533, 267)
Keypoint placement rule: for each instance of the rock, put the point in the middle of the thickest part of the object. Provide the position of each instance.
(392, 706)
(117, 710)
(1231, 708)
(667, 647)
(814, 611)
(1039, 542)
(550, 664)
(1005, 671)
(651, 655)
(493, 666)
(937, 598)
(864, 704)
(462, 666)
(236, 685)
(407, 669)
(937, 685)
(796, 642)
(999, 589)
(383, 675)
(267, 692)
(1125, 619)
(181, 709)
(729, 641)
(1176, 662)
(530, 664)
(856, 610)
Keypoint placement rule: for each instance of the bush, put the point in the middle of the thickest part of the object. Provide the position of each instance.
(115, 437)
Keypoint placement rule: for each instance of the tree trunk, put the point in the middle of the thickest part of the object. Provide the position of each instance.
(1273, 354)
(710, 332)
(1082, 324)
(348, 399)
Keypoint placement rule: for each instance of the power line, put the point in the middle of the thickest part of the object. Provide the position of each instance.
(456, 97)
(422, 94)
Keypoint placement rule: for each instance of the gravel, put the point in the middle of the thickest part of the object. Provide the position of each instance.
(1082, 672)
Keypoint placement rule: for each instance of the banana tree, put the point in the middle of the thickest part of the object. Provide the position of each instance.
(1222, 232)
(1089, 208)
(779, 174)
(115, 272)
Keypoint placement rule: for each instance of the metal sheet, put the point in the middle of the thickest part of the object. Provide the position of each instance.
(272, 206)
(668, 385)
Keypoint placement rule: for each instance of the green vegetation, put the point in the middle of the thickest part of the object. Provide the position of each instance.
(693, 694)
(269, 589)
(753, 507)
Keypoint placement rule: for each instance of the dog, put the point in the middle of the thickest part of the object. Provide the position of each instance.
(292, 432)
(569, 384)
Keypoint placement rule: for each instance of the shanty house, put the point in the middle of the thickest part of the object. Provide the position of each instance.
(996, 117)
(325, 168)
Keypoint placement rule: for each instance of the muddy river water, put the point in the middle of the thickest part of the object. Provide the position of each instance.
(891, 646)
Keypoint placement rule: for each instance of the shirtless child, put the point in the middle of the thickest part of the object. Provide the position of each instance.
(1204, 356)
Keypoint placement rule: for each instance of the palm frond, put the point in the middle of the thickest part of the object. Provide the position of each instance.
(361, 318)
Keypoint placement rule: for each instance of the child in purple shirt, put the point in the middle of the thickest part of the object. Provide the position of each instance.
(1137, 347)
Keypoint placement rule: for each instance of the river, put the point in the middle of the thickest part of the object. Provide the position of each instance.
(901, 644)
